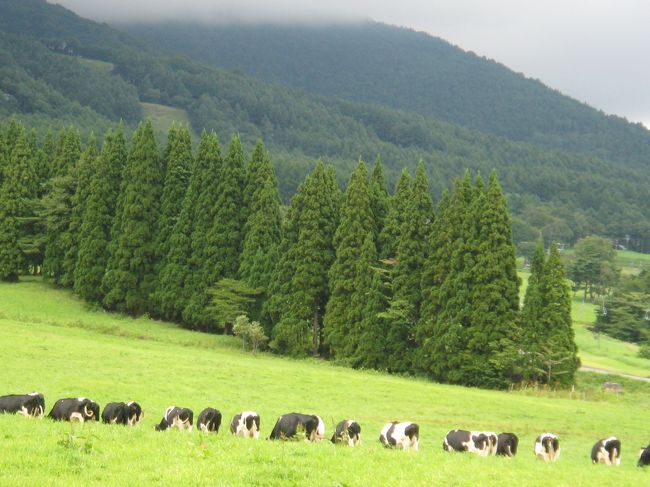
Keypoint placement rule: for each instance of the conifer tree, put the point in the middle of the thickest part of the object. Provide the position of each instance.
(407, 273)
(186, 242)
(440, 331)
(379, 199)
(532, 336)
(98, 216)
(127, 282)
(179, 166)
(223, 239)
(494, 299)
(559, 353)
(58, 203)
(17, 188)
(43, 161)
(82, 173)
(356, 222)
(263, 226)
(301, 277)
(389, 236)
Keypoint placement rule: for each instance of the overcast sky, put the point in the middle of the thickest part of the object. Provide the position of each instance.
(592, 50)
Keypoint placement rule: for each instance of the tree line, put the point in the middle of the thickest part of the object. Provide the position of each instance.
(365, 277)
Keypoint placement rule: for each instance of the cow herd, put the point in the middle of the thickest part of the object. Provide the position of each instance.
(401, 435)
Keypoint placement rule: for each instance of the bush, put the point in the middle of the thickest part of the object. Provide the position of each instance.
(251, 333)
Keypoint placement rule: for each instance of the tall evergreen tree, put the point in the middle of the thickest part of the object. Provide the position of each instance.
(559, 353)
(82, 173)
(300, 279)
(98, 216)
(356, 221)
(17, 188)
(494, 299)
(58, 203)
(127, 282)
(263, 226)
(407, 273)
(223, 239)
(179, 166)
(379, 199)
(532, 331)
(390, 233)
(179, 267)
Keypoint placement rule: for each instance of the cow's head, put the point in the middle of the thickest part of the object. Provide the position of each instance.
(89, 409)
(135, 414)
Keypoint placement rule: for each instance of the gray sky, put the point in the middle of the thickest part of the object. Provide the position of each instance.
(592, 50)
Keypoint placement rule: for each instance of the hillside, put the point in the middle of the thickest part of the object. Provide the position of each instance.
(63, 69)
(63, 349)
(410, 71)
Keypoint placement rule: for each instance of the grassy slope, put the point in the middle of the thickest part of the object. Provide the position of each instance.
(163, 116)
(52, 343)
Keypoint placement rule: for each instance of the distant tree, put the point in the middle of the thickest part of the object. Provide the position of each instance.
(251, 333)
(129, 273)
(390, 233)
(379, 199)
(341, 326)
(98, 216)
(593, 266)
(231, 298)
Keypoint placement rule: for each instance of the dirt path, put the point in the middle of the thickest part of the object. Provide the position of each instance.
(612, 372)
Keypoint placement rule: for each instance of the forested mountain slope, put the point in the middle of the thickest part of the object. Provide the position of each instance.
(412, 71)
(50, 74)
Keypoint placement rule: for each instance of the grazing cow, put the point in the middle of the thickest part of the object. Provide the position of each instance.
(470, 441)
(290, 425)
(493, 439)
(129, 413)
(347, 431)
(507, 444)
(644, 457)
(400, 435)
(32, 404)
(209, 420)
(181, 418)
(547, 447)
(75, 409)
(607, 451)
(246, 424)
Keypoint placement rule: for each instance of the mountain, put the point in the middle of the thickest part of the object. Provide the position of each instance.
(411, 71)
(60, 68)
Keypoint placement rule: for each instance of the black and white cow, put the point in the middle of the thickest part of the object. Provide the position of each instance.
(129, 413)
(175, 417)
(644, 457)
(403, 435)
(209, 420)
(547, 447)
(348, 432)
(75, 409)
(470, 441)
(607, 451)
(507, 444)
(246, 424)
(32, 404)
(290, 426)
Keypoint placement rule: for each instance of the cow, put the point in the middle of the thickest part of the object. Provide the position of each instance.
(175, 417)
(607, 451)
(246, 424)
(79, 409)
(129, 413)
(209, 420)
(477, 442)
(507, 444)
(547, 447)
(493, 439)
(644, 457)
(290, 426)
(403, 435)
(348, 432)
(32, 404)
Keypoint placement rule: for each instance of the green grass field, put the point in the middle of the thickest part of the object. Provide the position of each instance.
(162, 117)
(101, 66)
(52, 342)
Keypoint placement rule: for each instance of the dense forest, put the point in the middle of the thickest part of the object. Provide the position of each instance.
(370, 279)
(60, 69)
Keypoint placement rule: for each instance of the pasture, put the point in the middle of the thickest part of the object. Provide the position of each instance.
(162, 117)
(51, 342)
